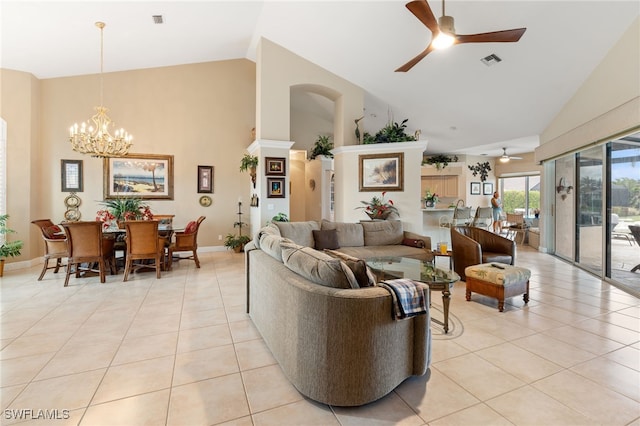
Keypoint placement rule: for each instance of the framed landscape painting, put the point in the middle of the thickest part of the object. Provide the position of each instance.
(146, 176)
(381, 172)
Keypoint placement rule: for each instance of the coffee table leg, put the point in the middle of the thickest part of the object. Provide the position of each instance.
(446, 298)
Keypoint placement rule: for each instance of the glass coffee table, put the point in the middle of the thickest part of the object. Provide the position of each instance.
(390, 267)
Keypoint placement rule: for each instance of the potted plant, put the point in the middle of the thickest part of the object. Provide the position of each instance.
(379, 208)
(236, 242)
(440, 161)
(392, 132)
(249, 163)
(121, 209)
(323, 146)
(8, 248)
(280, 217)
(430, 199)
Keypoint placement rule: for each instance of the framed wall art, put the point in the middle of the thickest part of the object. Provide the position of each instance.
(71, 171)
(275, 166)
(475, 188)
(275, 188)
(146, 176)
(381, 172)
(487, 188)
(205, 179)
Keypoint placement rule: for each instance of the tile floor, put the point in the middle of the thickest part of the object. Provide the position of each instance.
(182, 351)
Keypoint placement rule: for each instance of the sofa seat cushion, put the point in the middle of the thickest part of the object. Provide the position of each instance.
(317, 267)
(383, 233)
(383, 251)
(349, 234)
(489, 257)
(299, 232)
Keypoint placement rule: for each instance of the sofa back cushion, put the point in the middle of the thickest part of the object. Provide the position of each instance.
(270, 244)
(270, 228)
(299, 232)
(359, 267)
(382, 233)
(317, 267)
(349, 234)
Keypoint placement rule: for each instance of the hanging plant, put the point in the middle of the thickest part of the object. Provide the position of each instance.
(440, 161)
(481, 168)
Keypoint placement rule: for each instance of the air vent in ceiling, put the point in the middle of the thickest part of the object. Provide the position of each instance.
(491, 60)
(158, 19)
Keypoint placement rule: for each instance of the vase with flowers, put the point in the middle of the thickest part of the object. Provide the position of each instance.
(379, 207)
(117, 210)
(430, 199)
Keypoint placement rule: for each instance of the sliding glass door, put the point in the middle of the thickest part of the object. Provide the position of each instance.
(589, 213)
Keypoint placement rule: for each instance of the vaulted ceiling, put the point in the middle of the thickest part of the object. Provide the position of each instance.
(459, 104)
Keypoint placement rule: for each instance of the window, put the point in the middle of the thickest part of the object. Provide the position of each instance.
(521, 195)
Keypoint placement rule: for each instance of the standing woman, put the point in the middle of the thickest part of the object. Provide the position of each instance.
(496, 205)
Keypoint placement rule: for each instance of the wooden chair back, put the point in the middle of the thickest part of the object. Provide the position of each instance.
(84, 240)
(143, 242)
(186, 242)
(54, 248)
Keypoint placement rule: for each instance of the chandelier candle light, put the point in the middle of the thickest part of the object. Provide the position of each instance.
(95, 139)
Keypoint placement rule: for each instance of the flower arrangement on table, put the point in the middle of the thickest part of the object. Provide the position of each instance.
(430, 198)
(378, 207)
(121, 209)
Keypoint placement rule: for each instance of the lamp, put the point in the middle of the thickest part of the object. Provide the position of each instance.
(95, 139)
(447, 34)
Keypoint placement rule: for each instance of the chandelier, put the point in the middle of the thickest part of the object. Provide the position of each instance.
(95, 139)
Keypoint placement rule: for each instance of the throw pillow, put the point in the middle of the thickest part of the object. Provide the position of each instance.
(317, 267)
(191, 227)
(327, 239)
(412, 242)
(359, 267)
(53, 232)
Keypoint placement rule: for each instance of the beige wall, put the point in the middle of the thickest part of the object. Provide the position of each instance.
(202, 114)
(279, 70)
(607, 104)
(19, 107)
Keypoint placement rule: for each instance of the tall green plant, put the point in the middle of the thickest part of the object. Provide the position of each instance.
(8, 248)
(392, 132)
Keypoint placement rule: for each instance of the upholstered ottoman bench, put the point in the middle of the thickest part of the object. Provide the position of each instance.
(497, 280)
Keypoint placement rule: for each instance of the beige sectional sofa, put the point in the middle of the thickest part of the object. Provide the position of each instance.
(337, 343)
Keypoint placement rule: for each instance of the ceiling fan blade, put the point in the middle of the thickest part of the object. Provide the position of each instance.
(506, 36)
(422, 11)
(515, 158)
(406, 67)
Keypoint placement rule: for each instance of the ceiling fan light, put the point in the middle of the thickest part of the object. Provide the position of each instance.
(504, 159)
(442, 41)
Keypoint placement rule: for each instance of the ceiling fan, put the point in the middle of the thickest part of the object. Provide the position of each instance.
(444, 33)
(505, 157)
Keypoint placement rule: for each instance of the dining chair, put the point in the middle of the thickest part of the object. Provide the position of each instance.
(55, 245)
(187, 241)
(483, 217)
(516, 226)
(86, 247)
(143, 243)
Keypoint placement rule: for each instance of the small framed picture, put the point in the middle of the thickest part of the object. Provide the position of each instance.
(71, 175)
(205, 179)
(275, 188)
(275, 166)
(475, 188)
(487, 188)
